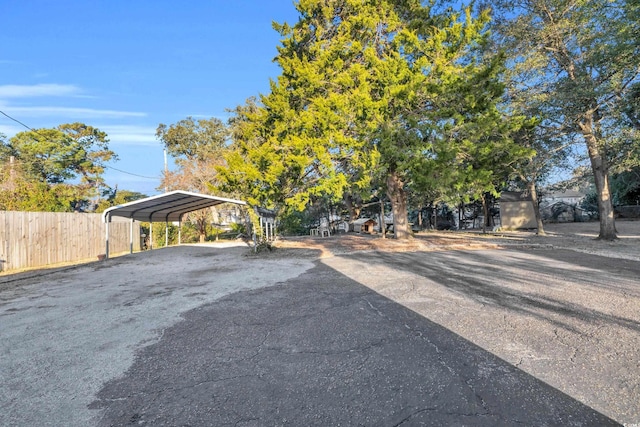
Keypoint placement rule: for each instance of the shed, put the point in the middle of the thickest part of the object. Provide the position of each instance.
(516, 211)
(364, 225)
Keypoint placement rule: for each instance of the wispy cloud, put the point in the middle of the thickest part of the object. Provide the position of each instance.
(74, 113)
(118, 135)
(209, 116)
(131, 135)
(30, 91)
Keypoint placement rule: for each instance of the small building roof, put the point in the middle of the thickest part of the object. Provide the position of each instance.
(514, 196)
(563, 194)
(361, 221)
(166, 207)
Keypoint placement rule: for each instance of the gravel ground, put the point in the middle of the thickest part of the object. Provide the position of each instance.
(65, 332)
(564, 308)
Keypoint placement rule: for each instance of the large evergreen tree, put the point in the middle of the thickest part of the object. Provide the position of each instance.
(55, 169)
(371, 90)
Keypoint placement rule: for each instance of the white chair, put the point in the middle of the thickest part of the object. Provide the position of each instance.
(323, 231)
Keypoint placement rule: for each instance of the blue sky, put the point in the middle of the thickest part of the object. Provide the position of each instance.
(126, 66)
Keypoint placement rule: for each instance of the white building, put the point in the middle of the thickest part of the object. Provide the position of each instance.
(569, 197)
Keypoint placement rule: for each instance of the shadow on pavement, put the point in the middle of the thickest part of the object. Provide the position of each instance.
(322, 349)
(474, 277)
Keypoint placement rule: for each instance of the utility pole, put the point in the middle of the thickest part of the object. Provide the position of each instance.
(12, 172)
(166, 170)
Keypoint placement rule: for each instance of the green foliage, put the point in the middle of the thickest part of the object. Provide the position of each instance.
(65, 153)
(238, 228)
(193, 139)
(630, 106)
(53, 169)
(117, 197)
(34, 196)
(198, 148)
(215, 233)
(590, 205)
(368, 91)
(625, 187)
(296, 223)
(190, 233)
(160, 233)
(579, 62)
(624, 142)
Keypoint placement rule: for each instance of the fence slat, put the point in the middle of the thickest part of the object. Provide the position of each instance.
(37, 239)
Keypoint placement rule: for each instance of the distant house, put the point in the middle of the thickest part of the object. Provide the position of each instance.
(563, 212)
(569, 197)
(562, 206)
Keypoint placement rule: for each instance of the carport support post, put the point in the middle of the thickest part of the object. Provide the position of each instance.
(131, 237)
(150, 235)
(166, 234)
(106, 236)
(180, 232)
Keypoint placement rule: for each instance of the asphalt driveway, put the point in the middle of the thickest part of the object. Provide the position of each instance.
(207, 336)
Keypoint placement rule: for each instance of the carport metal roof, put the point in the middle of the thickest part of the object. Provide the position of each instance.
(166, 207)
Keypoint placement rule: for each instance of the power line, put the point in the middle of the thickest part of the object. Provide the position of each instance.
(108, 167)
(22, 161)
(130, 173)
(16, 120)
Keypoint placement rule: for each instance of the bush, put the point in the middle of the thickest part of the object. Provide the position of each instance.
(159, 233)
(590, 205)
(296, 223)
(238, 229)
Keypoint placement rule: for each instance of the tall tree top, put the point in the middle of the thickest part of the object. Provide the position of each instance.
(193, 139)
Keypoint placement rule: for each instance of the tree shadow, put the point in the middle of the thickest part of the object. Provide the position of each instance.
(483, 276)
(322, 349)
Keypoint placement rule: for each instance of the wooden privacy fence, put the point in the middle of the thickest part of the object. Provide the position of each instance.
(37, 239)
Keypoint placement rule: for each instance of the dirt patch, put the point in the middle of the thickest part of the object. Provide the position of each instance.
(580, 237)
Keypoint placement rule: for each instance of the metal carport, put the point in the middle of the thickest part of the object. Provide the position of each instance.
(166, 207)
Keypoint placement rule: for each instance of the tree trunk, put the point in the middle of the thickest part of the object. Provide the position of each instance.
(202, 229)
(600, 169)
(531, 188)
(434, 217)
(353, 208)
(383, 225)
(398, 197)
(485, 213)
